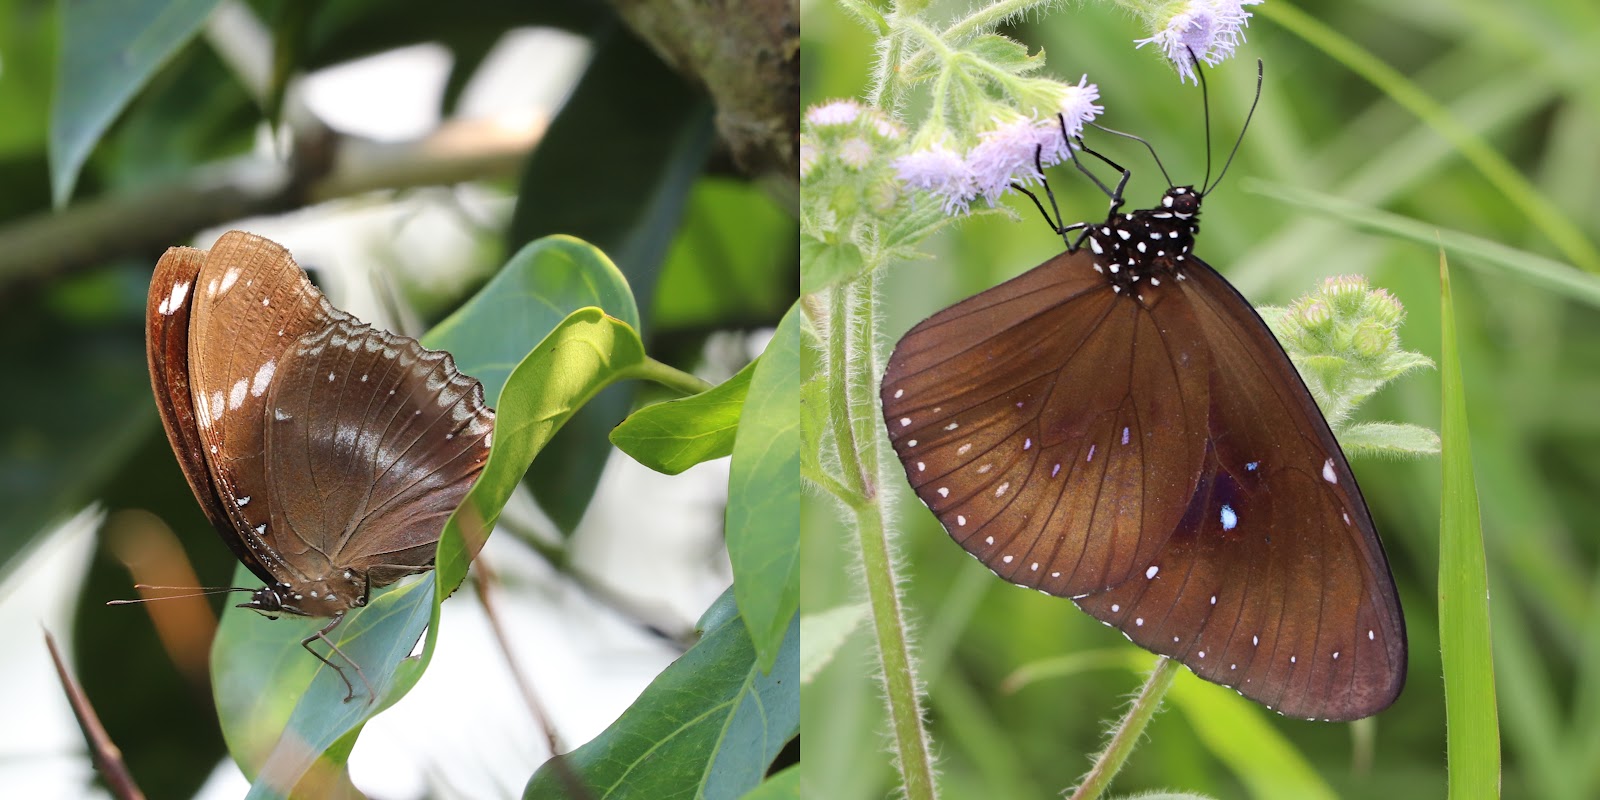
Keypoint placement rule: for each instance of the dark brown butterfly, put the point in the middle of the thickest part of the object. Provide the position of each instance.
(325, 452)
(1119, 426)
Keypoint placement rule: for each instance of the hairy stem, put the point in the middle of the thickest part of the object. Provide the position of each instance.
(854, 327)
(1126, 735)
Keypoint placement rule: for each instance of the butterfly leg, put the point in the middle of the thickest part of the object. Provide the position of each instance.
(350, 689)
(1122, 182)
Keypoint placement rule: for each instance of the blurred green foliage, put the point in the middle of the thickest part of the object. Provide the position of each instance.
(79, 426)
(1522, 79)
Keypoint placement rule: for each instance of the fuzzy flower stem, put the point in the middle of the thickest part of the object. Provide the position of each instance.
(852, 359)
(990, 16)
(1126, 735)
(934, 44)
(853, 474)
(984, 19)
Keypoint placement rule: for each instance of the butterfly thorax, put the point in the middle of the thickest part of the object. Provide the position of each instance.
(1139, 251)
(322, 598)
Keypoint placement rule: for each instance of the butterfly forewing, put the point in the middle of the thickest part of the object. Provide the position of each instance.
(1119, 426)
(372, 441)
(167, 320)
(1044, 425)
(251, 303)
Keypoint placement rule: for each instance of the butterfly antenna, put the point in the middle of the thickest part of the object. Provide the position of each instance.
(194, 591)
(1260, 74)
(1140, 140)
(1205, 111)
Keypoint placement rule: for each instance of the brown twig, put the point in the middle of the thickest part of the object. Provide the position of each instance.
(324, 166)
(483, 577)
(107, 757)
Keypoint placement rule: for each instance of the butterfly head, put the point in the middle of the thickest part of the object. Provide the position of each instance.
(1182, 202)
(325, 598)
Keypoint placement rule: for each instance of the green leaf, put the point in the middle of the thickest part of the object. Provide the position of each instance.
(259, 669)
(540, 286)
(763, 516)
(732, 264)
(673, 436)
(1004, 52)
(1388, 439)
(109, 49)
(824, 633)
(783, 786)
(658, 132)
(1472, 735)
(1562, 279)
(813, 404)
(706, 727)
(585, 353)
(823, 264)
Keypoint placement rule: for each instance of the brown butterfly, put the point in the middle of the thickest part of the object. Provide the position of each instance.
(1118, 426)
(326, 453)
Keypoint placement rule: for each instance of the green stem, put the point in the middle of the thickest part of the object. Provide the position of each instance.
(853, 415)
(1126, 735)
(670, 377)
(844, 440)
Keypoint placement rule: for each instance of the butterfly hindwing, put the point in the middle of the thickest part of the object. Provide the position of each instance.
(372, 441)
(1312, 629)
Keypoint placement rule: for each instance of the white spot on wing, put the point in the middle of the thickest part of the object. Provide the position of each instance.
(905, 421)
(228, 279)
(1151, 572)
(1327, 472)
(1230, 520)
(944, 491)
(1002, 489)
(263, 377)
(236, 394)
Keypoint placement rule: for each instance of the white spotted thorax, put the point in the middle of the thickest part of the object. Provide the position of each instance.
(1139, 252)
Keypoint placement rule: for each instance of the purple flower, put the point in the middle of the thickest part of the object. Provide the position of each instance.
(941, 172)
(833, 112)
(1210, 28)
(1006, 154)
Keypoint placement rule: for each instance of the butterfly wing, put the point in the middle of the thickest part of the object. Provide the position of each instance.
(1158, 459)
(372, 441)
(1274, 582)
(167, 319)
(251, 301)
(1045, 422)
